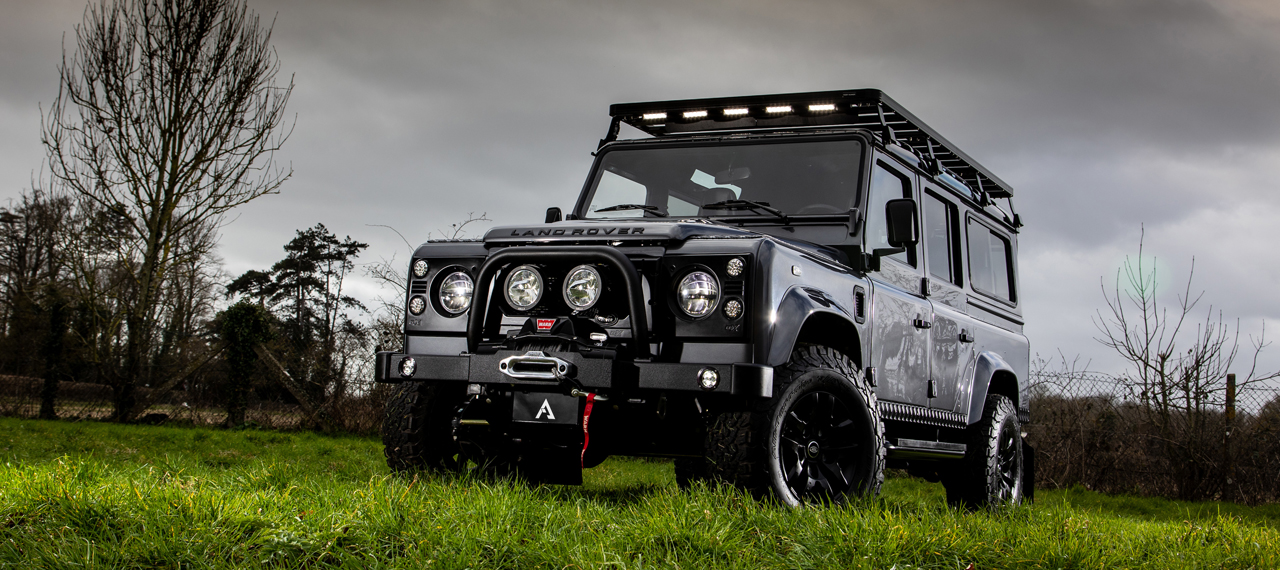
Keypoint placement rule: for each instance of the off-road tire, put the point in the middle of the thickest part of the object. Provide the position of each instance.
(991, 473)
(758, 450)
(417, 427)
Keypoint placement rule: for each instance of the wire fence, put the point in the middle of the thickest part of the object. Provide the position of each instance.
(357, 410)
(1107, 433)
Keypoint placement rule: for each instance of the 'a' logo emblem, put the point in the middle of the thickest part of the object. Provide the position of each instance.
(545, 409)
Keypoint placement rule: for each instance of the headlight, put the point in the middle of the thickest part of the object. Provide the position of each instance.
(455, 292)
(697, 294)
(420, 268)
(524, 287)
(582, 287)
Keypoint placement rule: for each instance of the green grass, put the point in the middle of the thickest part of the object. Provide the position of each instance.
(108, 496)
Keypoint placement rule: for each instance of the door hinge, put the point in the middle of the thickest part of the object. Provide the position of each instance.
(922, 323)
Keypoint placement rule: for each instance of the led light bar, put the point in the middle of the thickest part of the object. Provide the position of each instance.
(736, 112)
(778, 109)
(694, 114)
(654, 116)
(822, 107)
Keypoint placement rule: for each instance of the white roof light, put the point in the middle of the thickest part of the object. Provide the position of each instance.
(736, 112)
(654, 116)
(694, 114)
(822, 107)
(779, 109)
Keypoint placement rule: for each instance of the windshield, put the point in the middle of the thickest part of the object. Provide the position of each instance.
(797, 178)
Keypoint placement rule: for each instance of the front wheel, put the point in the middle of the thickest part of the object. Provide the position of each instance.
(417, 427)
(991, 474)
(820, 441)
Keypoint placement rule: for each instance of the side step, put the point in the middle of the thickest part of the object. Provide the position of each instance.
(921, 449)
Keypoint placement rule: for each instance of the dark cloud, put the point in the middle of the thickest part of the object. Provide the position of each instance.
(1102, 114)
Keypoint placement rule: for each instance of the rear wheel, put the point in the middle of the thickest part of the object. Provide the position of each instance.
(417, 427)
(821, 440)
(991, 474)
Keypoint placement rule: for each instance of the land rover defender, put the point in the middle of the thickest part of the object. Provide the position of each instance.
(788, 293)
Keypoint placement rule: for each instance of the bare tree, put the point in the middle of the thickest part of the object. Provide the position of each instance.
(167, 116)
(1180, 365)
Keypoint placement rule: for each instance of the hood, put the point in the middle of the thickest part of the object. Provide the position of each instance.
(579, 231)
(634, 231)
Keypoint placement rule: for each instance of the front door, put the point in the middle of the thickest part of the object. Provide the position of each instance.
(900, 315)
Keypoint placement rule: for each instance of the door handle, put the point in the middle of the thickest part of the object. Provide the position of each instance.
(921, 323)
(966, 336)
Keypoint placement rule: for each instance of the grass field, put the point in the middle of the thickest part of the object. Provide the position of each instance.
(109, 496)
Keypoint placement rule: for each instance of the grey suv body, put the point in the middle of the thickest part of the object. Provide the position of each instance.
(789, 293)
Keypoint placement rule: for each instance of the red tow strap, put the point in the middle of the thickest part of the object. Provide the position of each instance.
(586, 435)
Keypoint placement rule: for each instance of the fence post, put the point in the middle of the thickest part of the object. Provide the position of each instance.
(1229, 458)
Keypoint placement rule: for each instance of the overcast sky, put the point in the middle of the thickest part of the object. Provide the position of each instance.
(1105, 116)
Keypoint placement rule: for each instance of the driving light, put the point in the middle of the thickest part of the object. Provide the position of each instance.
(420, 268)
(822, 107)
(654, 116)
(778, 109)
(582, 287)
(708, 378)
(697, 294)
(455, 292)
(417, 304)
(524, 287)
(736, 112)
(694, 114)
(407, 367)
(735, 267)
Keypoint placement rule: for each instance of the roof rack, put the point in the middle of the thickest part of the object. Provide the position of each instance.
(860, 108)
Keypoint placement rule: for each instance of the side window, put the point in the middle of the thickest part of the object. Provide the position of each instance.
(885, 185)
(939, 227)
(990, 262)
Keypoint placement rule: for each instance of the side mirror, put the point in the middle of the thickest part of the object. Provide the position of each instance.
(553, 215)
(903, 223)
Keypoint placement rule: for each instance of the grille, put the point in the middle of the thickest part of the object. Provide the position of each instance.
(418, 287)
(735, 288)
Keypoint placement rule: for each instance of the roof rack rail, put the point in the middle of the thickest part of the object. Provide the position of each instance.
(862, 108)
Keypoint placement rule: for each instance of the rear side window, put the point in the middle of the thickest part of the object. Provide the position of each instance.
(990, 262)
(939, 221)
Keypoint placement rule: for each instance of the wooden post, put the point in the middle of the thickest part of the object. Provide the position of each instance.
(1229, 458)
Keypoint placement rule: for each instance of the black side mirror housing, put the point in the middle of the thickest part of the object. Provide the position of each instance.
(553, 215)
(903, 222)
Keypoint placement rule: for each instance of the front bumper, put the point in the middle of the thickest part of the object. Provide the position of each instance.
(587, 374)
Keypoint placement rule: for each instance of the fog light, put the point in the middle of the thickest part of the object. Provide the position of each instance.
(420, 268)
(708, 378)
(407, 367)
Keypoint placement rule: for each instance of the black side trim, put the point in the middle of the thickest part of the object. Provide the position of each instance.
(921, 415)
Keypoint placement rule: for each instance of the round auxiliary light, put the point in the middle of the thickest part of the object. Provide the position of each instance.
(420, 268)
(407, 366)
(735, 267)
(417, 304)
(733, 308)
(455, 292)
(708, 378)
(524, 287)
(582, 287)
(697, 294)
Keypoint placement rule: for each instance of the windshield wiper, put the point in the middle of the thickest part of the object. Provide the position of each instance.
(648, 209)
(756, 207)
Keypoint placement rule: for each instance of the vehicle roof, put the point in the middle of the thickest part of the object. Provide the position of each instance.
(859, 108)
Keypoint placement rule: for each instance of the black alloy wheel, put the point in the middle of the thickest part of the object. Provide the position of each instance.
(822, 446)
